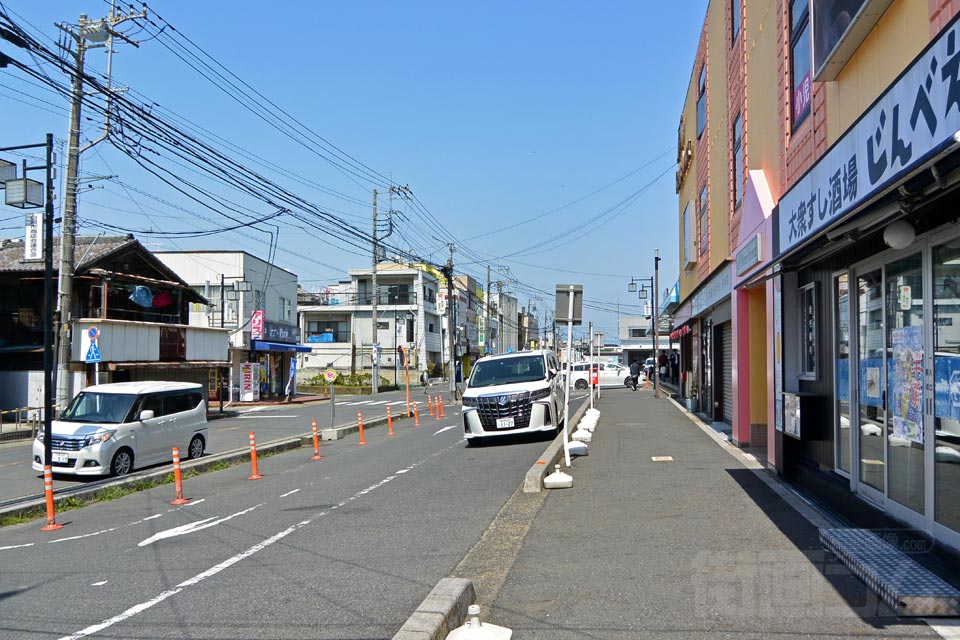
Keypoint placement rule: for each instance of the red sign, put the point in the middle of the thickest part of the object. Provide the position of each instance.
(801, 98)
(256, 325)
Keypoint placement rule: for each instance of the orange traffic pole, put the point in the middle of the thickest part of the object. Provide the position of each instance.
(390, 422)
(253, 459)
(443, 411)
(360, 423)
(316, 442)
(438, 408)
(430, 403)
(48, 489)
(178, 479)
(416, 414)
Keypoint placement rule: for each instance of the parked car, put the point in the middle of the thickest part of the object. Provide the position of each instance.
(513, 393)
(610, 374)
(109, 429)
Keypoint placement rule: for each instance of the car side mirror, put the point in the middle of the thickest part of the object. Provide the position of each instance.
(146, 414)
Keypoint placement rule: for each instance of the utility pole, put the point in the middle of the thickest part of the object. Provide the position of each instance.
(451, 328)
(96, 31)
(375, 382)
(500, 316)
(656, 322)
(486, 315)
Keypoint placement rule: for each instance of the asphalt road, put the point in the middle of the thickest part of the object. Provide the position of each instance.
(18, 481)
(345, 547)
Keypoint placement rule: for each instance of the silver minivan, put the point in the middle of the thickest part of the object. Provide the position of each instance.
(108, 429)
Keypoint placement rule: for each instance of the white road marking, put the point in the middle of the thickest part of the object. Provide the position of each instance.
(212, 571)
(195, 502)
(351, 404)
(16, 546)
(97, 533)
(199, 525)
(98, 584)
(397, 402)
(284, 495)
(453, 426)
(271, 417)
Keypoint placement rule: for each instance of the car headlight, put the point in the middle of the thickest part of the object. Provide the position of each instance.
(40, 435)
(98, 437)
(542, 393)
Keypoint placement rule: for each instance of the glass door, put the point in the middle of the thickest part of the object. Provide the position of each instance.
(946, 377)
(904, 368)
(841, 350)
(871, 415)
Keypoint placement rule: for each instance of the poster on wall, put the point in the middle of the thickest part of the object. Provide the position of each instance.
(791, 415)
(947, 387)
(906, 384)
(249, 385)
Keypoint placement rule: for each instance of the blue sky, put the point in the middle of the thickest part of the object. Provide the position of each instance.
(537, 137)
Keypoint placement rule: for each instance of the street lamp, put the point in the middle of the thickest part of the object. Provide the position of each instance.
(27, 194)
(651, 283)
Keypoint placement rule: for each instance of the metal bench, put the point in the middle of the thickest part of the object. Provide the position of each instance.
(901, 582)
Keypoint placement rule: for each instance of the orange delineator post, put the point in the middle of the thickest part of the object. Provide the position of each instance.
(316, 442)
(253, 459)
(390, 422)
(430, 402)
(438, 408)
(48, 489)
(178, 479)
(360, 423)
(443, 411)
(416, 414)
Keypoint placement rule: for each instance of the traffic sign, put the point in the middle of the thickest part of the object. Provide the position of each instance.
(330, 375)
(93, 353)
(93, 332)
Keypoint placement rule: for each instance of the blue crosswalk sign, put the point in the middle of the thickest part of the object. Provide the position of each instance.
(93, 353)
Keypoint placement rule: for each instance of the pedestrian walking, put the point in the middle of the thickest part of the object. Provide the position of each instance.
(635, 373)
(662, 366)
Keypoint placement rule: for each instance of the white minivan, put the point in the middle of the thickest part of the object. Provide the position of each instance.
(109, 428)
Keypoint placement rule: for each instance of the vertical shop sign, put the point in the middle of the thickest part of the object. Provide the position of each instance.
(256, 325)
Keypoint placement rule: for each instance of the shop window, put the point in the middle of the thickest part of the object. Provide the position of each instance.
(800, 62)
(734, 20)
(737, 161)
(702, 101)
(808, 332)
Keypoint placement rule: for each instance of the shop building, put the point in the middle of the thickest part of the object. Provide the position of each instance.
(257, 302)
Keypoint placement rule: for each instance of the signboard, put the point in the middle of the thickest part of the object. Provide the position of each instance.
(441, 303)
(915, 119)
(33, 237)
(718, 288)
(256, 325)
(293, 376)
(276, 332)
(748, 255)
(249, 381)
(330, 375)
(564, 292)
(93, 353)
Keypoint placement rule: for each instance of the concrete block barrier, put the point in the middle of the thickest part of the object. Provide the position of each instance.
(443, 610)
(544, 466)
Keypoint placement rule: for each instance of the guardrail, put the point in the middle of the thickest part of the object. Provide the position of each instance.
(22, 422)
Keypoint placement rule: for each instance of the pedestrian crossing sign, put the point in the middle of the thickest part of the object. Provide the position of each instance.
(93, 353)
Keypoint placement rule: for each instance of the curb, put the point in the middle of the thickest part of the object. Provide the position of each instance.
(533, 481)
(440, 612)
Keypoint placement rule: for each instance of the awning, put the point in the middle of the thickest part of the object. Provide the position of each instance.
(261, 345)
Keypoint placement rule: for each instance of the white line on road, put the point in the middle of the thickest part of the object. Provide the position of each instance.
(195, 502)
(284, 495)
(453, 426)
(212, 571)
(16, 546)
(397, 402)
(263, 417)
(199, 525)
(379, 402)
(98, 584)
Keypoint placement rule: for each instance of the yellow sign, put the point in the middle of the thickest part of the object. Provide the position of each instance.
(330, 375)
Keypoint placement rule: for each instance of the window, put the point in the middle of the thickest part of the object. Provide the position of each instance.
(338, 330)
(808, 332)
(637, 333)
(734, 20)
(284, 308)
(737, 162)
(704, 221)
(689, 237)
(800, 59)
(702, 101)
(430, 328)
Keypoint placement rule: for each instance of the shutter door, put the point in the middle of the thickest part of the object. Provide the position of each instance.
(727, 373)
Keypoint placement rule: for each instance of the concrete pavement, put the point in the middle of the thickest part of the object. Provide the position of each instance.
(706, 545)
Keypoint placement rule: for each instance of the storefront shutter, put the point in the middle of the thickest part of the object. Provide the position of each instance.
(727, 373)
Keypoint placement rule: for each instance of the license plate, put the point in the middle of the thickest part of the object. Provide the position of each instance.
(60, 456)
(504, 423)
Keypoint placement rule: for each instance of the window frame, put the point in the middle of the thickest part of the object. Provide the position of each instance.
(702, 101)
(737, 133)
(703, 222)
(800, 28)
(734, 21)
(807, 301)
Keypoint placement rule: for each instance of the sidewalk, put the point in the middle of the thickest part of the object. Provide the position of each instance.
(704, 546)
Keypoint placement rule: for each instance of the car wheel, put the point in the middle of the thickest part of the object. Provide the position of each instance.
(628, 382)
(195, 450)
(122, 462)
(580, 384)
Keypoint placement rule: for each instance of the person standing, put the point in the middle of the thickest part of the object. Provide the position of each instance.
(675, 367)
(662, 366)
(635, 373)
